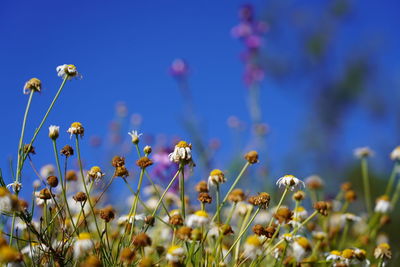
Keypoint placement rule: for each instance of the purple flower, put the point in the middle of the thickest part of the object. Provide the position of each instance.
(179, 68)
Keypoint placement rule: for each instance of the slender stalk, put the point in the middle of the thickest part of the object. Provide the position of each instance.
(218, 201)
(367, 190)
(182, 189)
(231, 189)
(280, 203)
(242, 233)
(135, 202)
(392, 178)
(344, 235)
(228, 219)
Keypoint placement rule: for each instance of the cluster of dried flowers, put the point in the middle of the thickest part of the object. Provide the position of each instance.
(69, 223)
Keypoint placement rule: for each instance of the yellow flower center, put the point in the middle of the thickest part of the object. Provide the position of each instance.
(201, 213)
(95, 169)
(384, 198)
(302, 241)
(299, 209)
(76, 125)
(384, 246)
(253, 240)
(347, 253)
(83, 236)
(216, 172)
(335, 252)
(8, 254)
(172, 249)
(183, 144)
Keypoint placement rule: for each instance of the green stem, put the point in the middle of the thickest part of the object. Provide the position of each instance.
(367, 190)
(135, 202)
(280, 203)
(344, 235)
(218, 201)
(231, 189)
(228, 220)
(182, 189)
(392, 178)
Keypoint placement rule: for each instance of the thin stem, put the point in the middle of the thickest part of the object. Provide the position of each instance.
(135, 202)
(392, 178)
(218, 201)
(182, 189)
(231, 188)
(241, 233)
(367, 190)
(280, 203)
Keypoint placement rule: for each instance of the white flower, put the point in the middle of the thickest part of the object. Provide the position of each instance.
(135, 136)
(95, 173)
(301, 247)
(182, 152)
(198, 219)
(47, 170)
(216, 177)
(334, 255)
(76, 128)
(252, 247)
(314, 182)
(395, 155)
(363, 152)
(82, 244)
(67, 70)
(263, 217)
(16, 186)
(175, 254)
(242, 208)
(5, 200)
(34, 249)
(289, 181)
(126, 218)
(383, 204)
(54, 131)
(300, 213)
(40, 202)
(350, 218)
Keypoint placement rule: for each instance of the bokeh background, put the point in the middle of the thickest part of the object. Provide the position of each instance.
(303, 82)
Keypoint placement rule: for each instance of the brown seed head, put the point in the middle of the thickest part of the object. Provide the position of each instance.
(146, 262)
(45, 194)
(67, 151)
(322, 207)
(149, 220)
(92, 261)
(283, 215)
(184, 233)
(236, 195)
(121, 172)
(52, 181)
(204, 198)
(118, 161)
(226, 229)
(144, 162)
(176, 220)
(251, 157)
(202, 186)
(29, 149)
(299, 195)
(71, 176)
(127, 255)
(346, 186)
(259, 230)
(350, 195)
(107, 214)
(270, 231)
(141, 240)
(33, 84)
(80, 197)
(261, 200)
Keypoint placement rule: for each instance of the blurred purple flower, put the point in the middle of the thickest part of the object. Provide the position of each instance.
(164, 169)
(253, 74)
(179, 69)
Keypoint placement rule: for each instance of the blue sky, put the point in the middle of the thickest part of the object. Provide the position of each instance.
(123, 50)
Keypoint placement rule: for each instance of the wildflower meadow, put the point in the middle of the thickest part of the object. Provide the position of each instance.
(131, 197)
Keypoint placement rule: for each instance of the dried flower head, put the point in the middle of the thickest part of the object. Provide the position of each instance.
(184, 233)
(107, 213)
(127, 255)
(80, 197)
(52, 181)
(118, 161)
(202, 186)
(204, 198)
(314, 182)
(92, 261)
(259, 230)
(299, 195)
(252, 157)
(121, 172)
(283, 215)
(135, 136)
(71, 176)
(67, 71)
(346, 186)
(350, 195)
(8, 255)
(322, 207)
(290, 182)
(76, 128)
(261, 200)
(216, 177)
(141, 240)
(45, 194)
(67, 151)
(15, 186)
(270, 231)
(144, 162)
(236, 196)
(29, 149)
(33, 85)
(54, 132)
(176, 220)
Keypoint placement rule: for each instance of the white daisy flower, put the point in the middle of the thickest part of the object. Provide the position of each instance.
(301, 248)
(349, 217)
(252, 247)
(16, 186)
(82, 244)
(263, 217)
(363, 152)
(334, 255)
(34, 249)
(135, 136)
(182, 152)
(95, 173)
(126, 218)
(67, 70)
(54, 131)
(198, 219)
(175, 254)
(76, 128)
(290, 181)
(383, 204)
(216, 177)
(300, 213)
(5, 200)
(395, 155)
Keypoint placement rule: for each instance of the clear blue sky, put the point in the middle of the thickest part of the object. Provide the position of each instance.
(123, 50)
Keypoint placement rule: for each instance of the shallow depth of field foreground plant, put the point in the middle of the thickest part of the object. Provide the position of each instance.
(68, 223)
